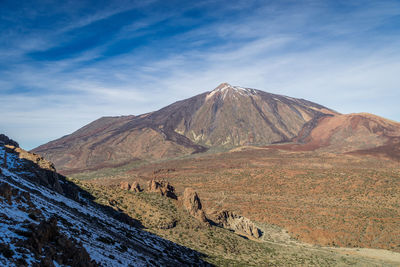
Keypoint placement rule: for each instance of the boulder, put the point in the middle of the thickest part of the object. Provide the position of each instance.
(49, 245)
(135, 187)
(162, 187)
(125, 185)
(6, 192)
(239, 224)
(192, 203)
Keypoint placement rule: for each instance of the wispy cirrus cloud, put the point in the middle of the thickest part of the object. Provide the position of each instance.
(66, 65)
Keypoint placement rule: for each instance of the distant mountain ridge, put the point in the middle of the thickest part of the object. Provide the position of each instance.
(227, 116)
(356, 133)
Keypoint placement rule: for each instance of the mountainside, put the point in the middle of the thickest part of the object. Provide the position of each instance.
(360, 133)
(46, 220)
(225, 117)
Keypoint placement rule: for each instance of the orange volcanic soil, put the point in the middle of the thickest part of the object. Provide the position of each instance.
(359, 133)
(320, 198)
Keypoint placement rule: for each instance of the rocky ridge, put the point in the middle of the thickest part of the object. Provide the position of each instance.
(44, 227)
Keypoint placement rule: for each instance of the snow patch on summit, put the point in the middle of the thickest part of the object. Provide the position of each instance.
(225, 88)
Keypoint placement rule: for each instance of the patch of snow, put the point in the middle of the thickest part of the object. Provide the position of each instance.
(12, 159)
(87, 224)
(225, 88)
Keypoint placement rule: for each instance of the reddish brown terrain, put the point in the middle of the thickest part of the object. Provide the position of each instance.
(359, 133)
(320, 198)
(327, 178)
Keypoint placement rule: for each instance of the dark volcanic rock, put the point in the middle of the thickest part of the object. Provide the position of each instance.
(40, 170)
(4, 140)
(29, 196)
(6, 192)
(135, 187)
(48, 244)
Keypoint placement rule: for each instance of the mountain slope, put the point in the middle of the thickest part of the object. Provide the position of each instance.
(360, 133)
(227, 116)
(46, 220)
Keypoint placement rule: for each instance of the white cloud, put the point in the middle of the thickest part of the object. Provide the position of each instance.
(280, 51)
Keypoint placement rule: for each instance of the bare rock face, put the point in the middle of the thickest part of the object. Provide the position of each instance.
(47, 243)
(5, 192)
(43, 170)
(237, 223)
(163, 187)
(4, 140)
(135, 187)
(36, 169)
(125, 185)
(192, 204)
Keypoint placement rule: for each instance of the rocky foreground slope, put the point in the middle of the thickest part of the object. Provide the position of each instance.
(46, 220)
(225, 117)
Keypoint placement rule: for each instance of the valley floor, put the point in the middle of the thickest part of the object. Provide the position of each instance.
(345, 206)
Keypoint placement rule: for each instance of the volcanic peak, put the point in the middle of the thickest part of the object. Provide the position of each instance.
(225, 89)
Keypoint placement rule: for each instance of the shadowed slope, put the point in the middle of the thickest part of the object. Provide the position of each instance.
(47, 220)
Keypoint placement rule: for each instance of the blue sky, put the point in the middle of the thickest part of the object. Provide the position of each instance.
(66, 63)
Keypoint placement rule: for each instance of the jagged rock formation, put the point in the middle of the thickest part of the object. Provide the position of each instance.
(237, 223)
(44, 240)
(192, 203)
(162, 187)
(225, 117)
(135, 187)
(4, 140)
(38, 170)
(125, 185)
(47, 243)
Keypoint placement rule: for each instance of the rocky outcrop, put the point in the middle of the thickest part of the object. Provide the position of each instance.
(49, 245)
(113, 238)
(5, 192)
(41, 171)
(135, 187)
(192, 203)
(241, 225)
(36, 169)
(44, 239)
(125, 186)
(162, 187)
(4, 140)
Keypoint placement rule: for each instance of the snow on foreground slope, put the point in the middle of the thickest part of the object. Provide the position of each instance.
(39, 226)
